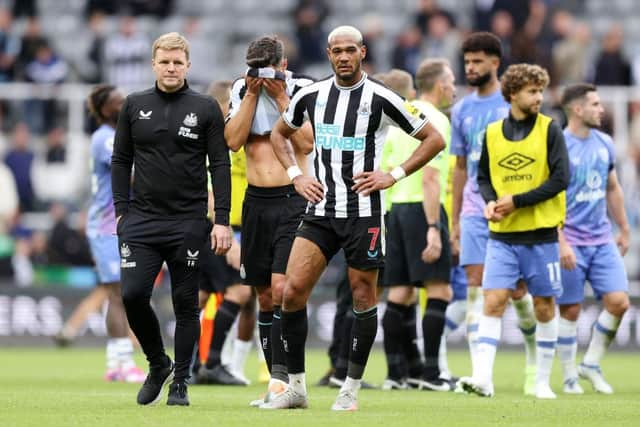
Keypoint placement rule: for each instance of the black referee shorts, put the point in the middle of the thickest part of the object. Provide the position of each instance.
(406, 239)
(216, 274)
(270, 217)
(362, 238)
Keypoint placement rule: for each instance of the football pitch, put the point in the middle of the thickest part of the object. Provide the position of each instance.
(50, 387)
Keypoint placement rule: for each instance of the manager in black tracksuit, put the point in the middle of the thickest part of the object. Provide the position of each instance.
(168, 131)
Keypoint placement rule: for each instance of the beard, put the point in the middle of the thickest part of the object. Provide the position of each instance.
(531, 110)
(480, 80)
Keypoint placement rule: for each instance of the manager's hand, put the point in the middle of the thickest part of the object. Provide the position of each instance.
(221, 239)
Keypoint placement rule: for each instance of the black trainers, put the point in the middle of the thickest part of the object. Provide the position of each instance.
(178, 395)
(324, 381)
(218, 375)
(151, 390)
(436, 384)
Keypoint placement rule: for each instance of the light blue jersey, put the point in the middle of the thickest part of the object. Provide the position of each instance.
(590, 161)
(101, 216)
(469, 120)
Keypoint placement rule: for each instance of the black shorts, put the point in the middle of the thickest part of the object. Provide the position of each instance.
(362, 239)
(406, 239)
(216, 274)
(270, 217)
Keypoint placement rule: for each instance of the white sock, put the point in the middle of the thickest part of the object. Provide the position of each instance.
(259, 347)
(568, 347)
(546, 338)
(455, 314)
(527, 324)
(351, 385)
(124, 348)
(489, 332)
(112, 354)
(475, 302)
(298, 383)
(604, 330)
(241, 350)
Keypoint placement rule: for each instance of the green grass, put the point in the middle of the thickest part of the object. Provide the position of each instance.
(48, 387)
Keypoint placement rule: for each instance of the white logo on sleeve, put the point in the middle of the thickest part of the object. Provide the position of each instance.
(125, 251)
(190, 120)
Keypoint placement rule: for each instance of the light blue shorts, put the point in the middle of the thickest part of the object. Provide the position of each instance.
(601, 265)
(474, 233)
(538, 265)
(104, 249)
(458, 283)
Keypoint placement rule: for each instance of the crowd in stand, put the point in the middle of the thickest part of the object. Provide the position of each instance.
(551, 33)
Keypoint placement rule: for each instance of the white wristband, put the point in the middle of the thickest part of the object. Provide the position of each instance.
(398, 173)
(293, 172)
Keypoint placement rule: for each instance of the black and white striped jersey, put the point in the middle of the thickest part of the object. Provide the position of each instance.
(266, 110)
(349, 126)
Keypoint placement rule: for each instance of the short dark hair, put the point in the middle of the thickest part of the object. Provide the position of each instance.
(575, 91)
(483, 42)
(96, 100)
(264, 52)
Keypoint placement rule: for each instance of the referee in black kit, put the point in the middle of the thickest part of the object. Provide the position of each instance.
(168, 131)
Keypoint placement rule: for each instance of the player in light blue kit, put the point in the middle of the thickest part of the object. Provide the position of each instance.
(104, 104)
(587, 248)
(470, 231)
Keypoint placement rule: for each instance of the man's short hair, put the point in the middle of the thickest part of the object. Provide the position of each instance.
(400, 81)
(429, 72)
(483, 42)
(574, 92)
(170, 41)
(519, 76)
(264, 52)
(348, 31)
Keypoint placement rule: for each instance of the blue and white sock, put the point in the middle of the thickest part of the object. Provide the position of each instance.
(604, 331)
(489, 332)
(527, 324)
(546, 338)
(454, 316)
(568, 347)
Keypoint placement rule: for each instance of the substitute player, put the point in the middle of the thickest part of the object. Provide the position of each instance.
(522, 175)
(588, 250)
(105, 103)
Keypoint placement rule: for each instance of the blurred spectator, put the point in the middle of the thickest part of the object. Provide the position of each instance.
(9, 47)
(56, 148)
(66, 246)
(518, 9)
(157, 8)
(25, 8)
(372, 31)
(8, 209)
(91, 67)
(406, 54)
(203, 50)
(126, 55)
(502, 27)
(442, 41)
(427, 9)
(309, 16)
(45, 68)
(32, 39)
(571, 55)
(612, 67)
(108, 7)
(39, 255)
(19, 159)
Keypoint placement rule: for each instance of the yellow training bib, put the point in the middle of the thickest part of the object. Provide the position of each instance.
(520, 166)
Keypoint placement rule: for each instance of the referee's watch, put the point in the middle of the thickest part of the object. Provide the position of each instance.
(434, 225)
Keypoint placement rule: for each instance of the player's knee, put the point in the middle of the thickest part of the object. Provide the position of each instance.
(184, 302)
(570, 312)
(544, 308)
(618, 304)
(494, 304)
(264, 299)
(441, 291)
